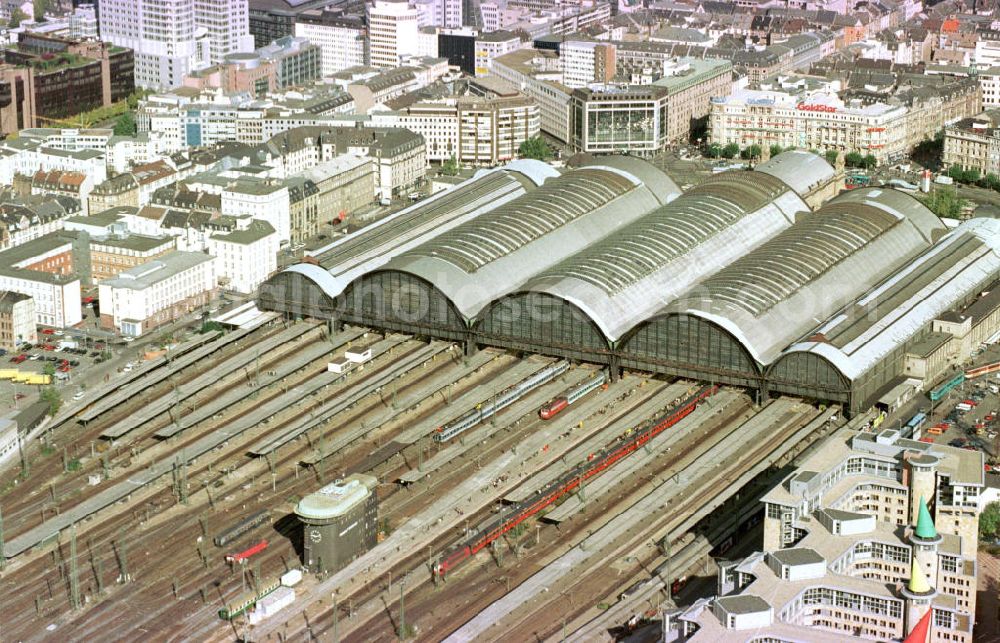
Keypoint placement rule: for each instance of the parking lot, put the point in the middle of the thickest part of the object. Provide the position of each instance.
(969, 417)
(82, 357)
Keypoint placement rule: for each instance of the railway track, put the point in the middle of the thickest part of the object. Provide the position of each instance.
(176, 529)
(51, 484)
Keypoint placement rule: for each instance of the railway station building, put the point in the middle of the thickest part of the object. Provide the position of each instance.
(752, 278)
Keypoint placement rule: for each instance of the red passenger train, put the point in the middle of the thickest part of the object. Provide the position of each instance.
(566, 483)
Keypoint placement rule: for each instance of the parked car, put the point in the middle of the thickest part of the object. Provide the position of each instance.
(78, 396)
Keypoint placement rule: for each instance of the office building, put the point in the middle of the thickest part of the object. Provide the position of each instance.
(866, 537)
(172, 38)
(342, 39)
(227, 23)
(48, 79)
(157, 292)
(392, 32)
(49, 270)
(273, 19)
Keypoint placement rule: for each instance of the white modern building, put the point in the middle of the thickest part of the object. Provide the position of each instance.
(392, 32)
(343, 40)
(172, 38)
(227, 23)
(246, 256)
(260, 199)
(163, 35)
(157, 292)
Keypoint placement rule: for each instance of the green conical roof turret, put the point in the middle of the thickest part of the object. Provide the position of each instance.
(925, 524)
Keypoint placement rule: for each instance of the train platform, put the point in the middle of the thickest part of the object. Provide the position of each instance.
(508, 417)
(348, 397)
(404, 405)
(114, 392)
(653, 499)
(201, 383)
(236, 394)
(478, 491)
(657, 402)
(470, 399)
(654, 449)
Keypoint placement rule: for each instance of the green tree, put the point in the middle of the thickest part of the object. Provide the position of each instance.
(16, 18)
(831, 156)
(989, 522)
(40, 7)
(751, 152)
(928, 151)
(125, 125)
(49, 369)
(990, 182)
(714, 151)
(50, 395)
(730, 151)
(956, 172)
(535, 148)
(853, 159)
(776, 150)
(450, 167)
(944, 202)
(870, 162)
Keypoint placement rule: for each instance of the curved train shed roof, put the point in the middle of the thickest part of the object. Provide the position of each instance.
(964, 261)
(801, 171)
(770, 297)
(346, 258)
(491, 255)
(622, 280)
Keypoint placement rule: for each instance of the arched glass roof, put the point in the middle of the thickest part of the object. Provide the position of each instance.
(514, 225)
(774, 294)
(629, 275)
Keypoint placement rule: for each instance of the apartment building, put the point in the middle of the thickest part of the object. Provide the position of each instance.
(974, 144)
(134, 188)
(24, 219)
(17, 320)
(246, 252)
(75, 185)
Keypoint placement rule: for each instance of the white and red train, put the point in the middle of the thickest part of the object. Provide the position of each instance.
(557, 405)
(501, 401)
(552, 492)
